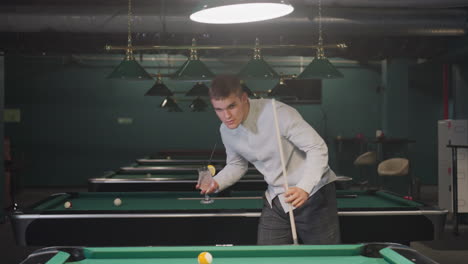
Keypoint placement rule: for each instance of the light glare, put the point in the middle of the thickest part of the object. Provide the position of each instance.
(241, 13)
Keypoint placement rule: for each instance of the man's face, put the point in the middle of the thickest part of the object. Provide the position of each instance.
(232, 110)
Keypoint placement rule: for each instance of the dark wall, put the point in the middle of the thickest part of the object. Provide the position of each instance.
(425, 109)
(461, 91)
(396, 101)
(2, 169)
(69, 129)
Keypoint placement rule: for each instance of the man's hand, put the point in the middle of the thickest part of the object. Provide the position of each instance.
(296, 196)
(211, 189)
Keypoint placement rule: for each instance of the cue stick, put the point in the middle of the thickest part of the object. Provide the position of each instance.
(283, 166)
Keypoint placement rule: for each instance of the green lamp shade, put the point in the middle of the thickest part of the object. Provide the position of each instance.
(281, 89)
(199, 89)
(247, 90)
(239, 11)
(193, 70)
(258, 69)
(169, 104)
(175, 108)
(198, 105)
(159, 89)
(129, 69)
(320, 68)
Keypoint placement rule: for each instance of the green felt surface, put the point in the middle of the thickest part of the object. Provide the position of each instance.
(162, 169)
(153, 176)
(178, 201)
(146, 201)
(185, 157)
(373, 200)
(162, 162)
(174, 166)
(265, 260)
(302, 254)
(193, 176)
(170, 166)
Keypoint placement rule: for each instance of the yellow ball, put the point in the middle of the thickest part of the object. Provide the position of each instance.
(205, 258)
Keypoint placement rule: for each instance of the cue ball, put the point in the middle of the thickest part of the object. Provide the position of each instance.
(205, 258)
(117, 202)
(67, 204)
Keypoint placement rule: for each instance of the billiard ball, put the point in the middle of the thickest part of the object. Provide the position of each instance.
(117, 202)
(205, 258)
(67, 204)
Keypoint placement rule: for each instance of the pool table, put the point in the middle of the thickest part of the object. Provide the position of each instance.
(127, 182)
(180, 169)
(178, 218)
(161, 162)
(299, 254)
(190, 153)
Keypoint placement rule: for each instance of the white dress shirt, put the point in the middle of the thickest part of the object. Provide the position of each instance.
(254, 140)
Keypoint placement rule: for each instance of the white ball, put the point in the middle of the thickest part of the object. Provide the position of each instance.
(117, 202)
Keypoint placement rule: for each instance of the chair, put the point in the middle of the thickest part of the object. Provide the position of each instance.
(343, 182)
(364, 162)
(395, 167)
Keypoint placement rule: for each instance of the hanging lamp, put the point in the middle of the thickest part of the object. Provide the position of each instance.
(198, 105)
(159, 88)
(193, 69)
(320, 67)
(129, 68)
(247, 90)
(170, 104)
(257, 68)
(281, 89)
(199, 89)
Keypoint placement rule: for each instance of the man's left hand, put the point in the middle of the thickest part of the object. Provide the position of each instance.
(296, 196)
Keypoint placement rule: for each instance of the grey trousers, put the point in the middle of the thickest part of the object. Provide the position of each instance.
(316, 221)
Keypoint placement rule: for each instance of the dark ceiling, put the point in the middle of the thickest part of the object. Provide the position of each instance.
(372, 30)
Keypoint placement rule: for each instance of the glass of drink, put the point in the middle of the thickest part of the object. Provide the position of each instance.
(205, 181)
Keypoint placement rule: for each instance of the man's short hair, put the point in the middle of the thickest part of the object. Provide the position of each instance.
(223, 86)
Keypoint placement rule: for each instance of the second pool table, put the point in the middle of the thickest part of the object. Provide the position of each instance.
(129, 182)
(179, 169)
(178, 218)
(162, 162)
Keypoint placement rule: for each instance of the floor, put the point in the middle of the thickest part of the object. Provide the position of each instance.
(449, 250)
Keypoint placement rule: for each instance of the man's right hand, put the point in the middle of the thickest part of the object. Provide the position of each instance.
(214, 186)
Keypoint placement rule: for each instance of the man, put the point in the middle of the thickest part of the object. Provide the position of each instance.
(248, 133)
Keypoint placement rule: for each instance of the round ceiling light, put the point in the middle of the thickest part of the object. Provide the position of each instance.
(229, 12)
